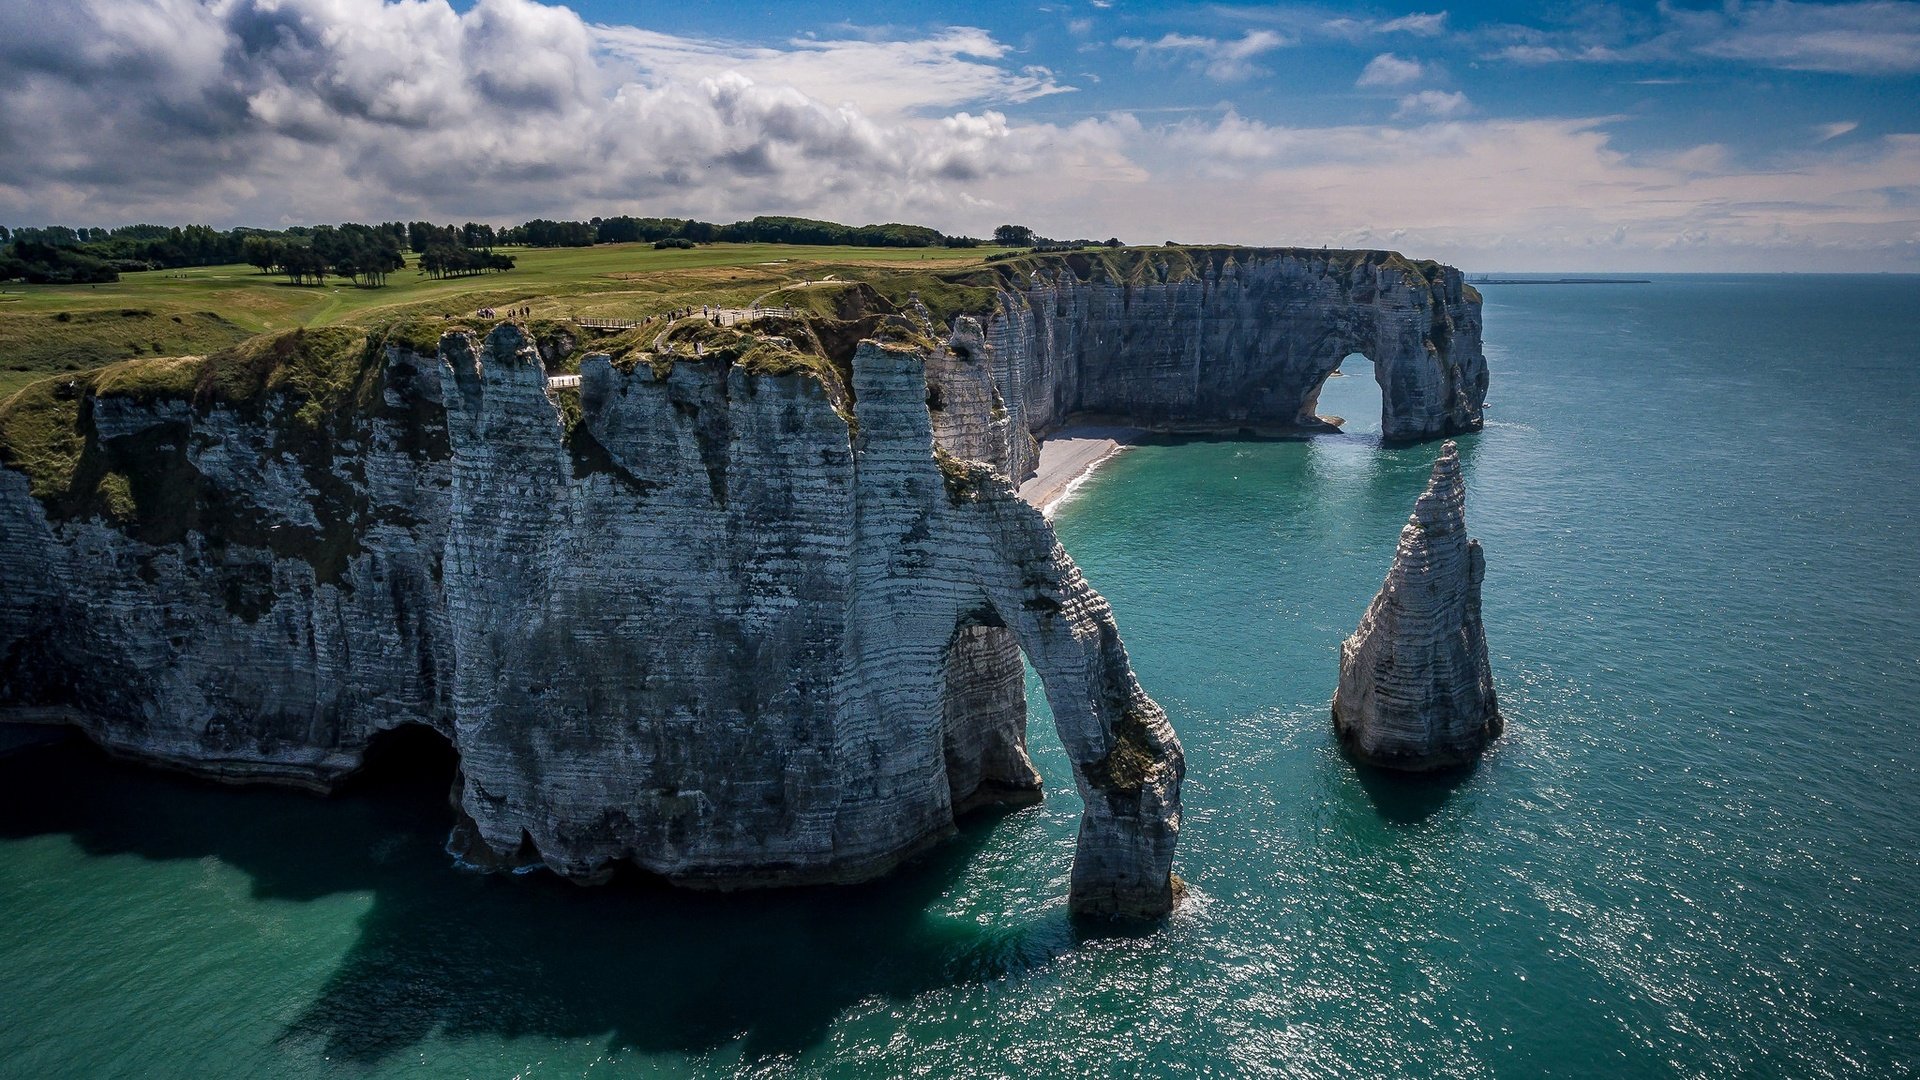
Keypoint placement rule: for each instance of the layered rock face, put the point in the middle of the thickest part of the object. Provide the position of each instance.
(743, 622)
(1236, 338)
(1416, 688)
(693, 622)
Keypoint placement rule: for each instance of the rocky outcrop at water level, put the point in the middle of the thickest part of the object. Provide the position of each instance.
(742, 608)
(1416, 688)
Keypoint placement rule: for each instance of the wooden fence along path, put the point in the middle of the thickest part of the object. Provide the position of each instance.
(727, 317)
(731, 316)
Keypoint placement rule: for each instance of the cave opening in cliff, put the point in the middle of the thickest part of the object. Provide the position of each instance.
(1350, 396)
(407, 759)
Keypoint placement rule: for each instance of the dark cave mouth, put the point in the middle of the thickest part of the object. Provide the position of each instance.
(406, 759)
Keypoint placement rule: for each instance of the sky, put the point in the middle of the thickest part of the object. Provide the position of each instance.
(1764, 136)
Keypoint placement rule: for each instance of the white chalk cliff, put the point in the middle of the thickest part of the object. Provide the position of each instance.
(737, 623)
(1416, 687)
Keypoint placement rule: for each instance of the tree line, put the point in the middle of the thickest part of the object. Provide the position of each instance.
(542, 232)
(306, 254)
(366, 254)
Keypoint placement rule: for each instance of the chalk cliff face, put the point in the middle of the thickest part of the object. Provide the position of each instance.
(696, 623)
(752, 620)
(1235, 338)
(1416, 688)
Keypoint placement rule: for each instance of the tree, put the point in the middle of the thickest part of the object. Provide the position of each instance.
(263, 252)
(445, 260)
(1114, 242)
(300, 262)
(42, 263)
(542, 232)
(1013, 236)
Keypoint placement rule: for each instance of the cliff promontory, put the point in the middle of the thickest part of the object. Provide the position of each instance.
(740, 607)
(1233, 339)
(1416, 688)
(703, 619)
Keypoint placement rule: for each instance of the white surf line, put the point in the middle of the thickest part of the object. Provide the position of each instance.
(1067, 458)
(1074, 485)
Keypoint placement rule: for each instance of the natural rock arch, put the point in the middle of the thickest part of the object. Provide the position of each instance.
(696, 622)
(1310, 409)
(983, 556)
(1235, 339)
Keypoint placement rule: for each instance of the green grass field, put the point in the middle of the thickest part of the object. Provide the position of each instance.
(48, 329)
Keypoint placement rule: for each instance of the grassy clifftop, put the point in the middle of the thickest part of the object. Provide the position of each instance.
(47, 430)
(49, 329)
(324, 371)
(1162, 265)
(319, 382)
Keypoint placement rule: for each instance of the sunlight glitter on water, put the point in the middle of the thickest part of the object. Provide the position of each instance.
(1689, 855)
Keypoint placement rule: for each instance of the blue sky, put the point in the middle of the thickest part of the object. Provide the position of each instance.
(1583, 136)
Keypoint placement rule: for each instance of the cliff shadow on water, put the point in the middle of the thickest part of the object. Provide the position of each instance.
(1401, 799)
(449, 953)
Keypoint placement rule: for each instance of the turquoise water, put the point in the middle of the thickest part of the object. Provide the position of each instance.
(1696, 852)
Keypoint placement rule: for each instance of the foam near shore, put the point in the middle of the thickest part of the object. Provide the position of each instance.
(1068, 457)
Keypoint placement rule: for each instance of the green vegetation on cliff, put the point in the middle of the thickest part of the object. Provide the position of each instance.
(319, 382)
(40, 434)
(48, 329)
(1168, 265)
(841, 290)
(1130, 759)
(322, 376)
(36, 344)
(965, 480)
(314, 372)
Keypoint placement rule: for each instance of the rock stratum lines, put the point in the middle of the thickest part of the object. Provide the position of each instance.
(1416, 687)
(740, 614)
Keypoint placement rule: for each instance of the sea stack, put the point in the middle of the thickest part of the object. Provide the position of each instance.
(1416, 690)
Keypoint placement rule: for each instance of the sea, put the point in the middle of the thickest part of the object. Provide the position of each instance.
(1695, 852)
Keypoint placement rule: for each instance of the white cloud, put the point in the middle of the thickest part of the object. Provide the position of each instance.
(1440, 103)
(1389, 70)
(957, 66)
(1826, 132)
(1513, 194)
(1224, 60)
(1418, 24)
(1863, 37)
(1532, 54)
(1423, 24)
(304, 110)
(261, 111)
(1878, 37)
